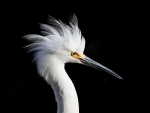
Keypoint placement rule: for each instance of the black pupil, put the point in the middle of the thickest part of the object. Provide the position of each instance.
(74, 53)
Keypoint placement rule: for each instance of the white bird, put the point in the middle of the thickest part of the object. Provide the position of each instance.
(59, 44)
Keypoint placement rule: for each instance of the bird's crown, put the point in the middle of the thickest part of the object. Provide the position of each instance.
(56, 37)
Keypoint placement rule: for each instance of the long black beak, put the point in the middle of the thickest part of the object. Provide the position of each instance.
(89, 62)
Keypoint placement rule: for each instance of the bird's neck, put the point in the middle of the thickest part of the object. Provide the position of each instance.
(64, 90)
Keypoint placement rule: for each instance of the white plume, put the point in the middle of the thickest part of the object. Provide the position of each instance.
(56, 36)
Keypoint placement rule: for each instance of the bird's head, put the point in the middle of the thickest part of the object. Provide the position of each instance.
(64, 43)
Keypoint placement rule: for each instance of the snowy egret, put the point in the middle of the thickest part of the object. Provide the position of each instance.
(59, 44)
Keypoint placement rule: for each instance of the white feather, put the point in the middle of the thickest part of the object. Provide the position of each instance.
(51, 50)
(56, 37)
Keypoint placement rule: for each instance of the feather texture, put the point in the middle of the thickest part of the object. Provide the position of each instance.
(57, 36)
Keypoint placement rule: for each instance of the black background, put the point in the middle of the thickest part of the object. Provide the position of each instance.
(117, 36)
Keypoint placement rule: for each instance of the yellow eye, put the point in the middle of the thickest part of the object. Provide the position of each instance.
(74, 53)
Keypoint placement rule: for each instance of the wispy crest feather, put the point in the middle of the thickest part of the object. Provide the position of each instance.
(56, 36)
